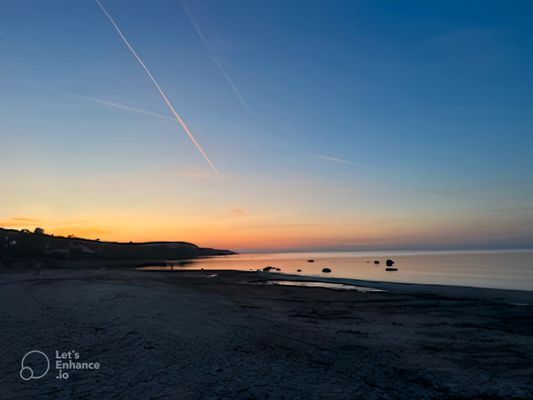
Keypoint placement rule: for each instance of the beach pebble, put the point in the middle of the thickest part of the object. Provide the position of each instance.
(326, 270)
(310, 260)
(389, 262)
(376, 262)
(267, 269)
(298, 270)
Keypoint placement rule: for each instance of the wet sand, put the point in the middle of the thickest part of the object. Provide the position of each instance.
(184, 335)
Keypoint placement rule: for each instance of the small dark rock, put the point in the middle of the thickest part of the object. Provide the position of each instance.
(391, 269)
(298, 270)
(310, 260)
(267, 269)
(389, 262)
(326, 270)
(376, 262)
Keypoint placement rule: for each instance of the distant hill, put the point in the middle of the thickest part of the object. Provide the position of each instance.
(16, 246)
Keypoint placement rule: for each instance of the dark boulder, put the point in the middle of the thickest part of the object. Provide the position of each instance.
(326, 270)
(310, 260)
(268, 269)
(376, 262)
(389, 262)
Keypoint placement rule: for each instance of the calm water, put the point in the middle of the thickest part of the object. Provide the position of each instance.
(494, 269)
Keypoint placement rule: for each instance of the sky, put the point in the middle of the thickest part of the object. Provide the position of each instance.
(333, 125)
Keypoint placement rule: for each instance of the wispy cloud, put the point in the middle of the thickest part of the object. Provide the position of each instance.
(331, 158)
(16, 222)
(113, 104)
(197, 174)
(222, 70)
(127, 108)
(23, 219)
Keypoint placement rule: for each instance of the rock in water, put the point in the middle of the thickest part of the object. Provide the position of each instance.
(326, 270)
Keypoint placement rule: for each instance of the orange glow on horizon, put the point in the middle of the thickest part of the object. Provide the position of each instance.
(240, 231)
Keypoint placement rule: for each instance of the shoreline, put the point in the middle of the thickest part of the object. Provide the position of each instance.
(511, 296)
(449, 291)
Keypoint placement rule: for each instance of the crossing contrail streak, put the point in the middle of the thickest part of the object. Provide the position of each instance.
(127, 108)
(229, 81)
(121, 106)
(164, 97)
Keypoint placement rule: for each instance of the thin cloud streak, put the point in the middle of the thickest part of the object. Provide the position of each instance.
(163, 96)
(127, 108)
(16, 222)
(229, 81)
(120, 106)
(24, 219)
(332, 159)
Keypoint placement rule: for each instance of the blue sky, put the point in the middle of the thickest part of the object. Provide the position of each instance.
(412, 116)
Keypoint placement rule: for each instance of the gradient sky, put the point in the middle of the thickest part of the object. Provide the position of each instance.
(362, 124)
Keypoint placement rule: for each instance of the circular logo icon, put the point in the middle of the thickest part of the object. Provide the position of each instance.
(34, 365)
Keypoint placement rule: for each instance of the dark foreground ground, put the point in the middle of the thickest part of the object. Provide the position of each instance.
(184, 335)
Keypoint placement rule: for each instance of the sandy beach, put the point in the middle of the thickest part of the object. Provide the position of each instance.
(190, 335)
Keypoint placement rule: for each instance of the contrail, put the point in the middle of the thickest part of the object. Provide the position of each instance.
(165, 99)
(229, 81)
(114, 104)
(126, 108)
(118, 105)
(330, 158)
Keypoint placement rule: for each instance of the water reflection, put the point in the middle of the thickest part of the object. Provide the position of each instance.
(495, 269)
(326, 285)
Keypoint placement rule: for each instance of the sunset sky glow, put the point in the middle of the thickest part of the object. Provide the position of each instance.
(333, 125)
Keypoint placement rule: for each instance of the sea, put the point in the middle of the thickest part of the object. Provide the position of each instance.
(500, 269)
